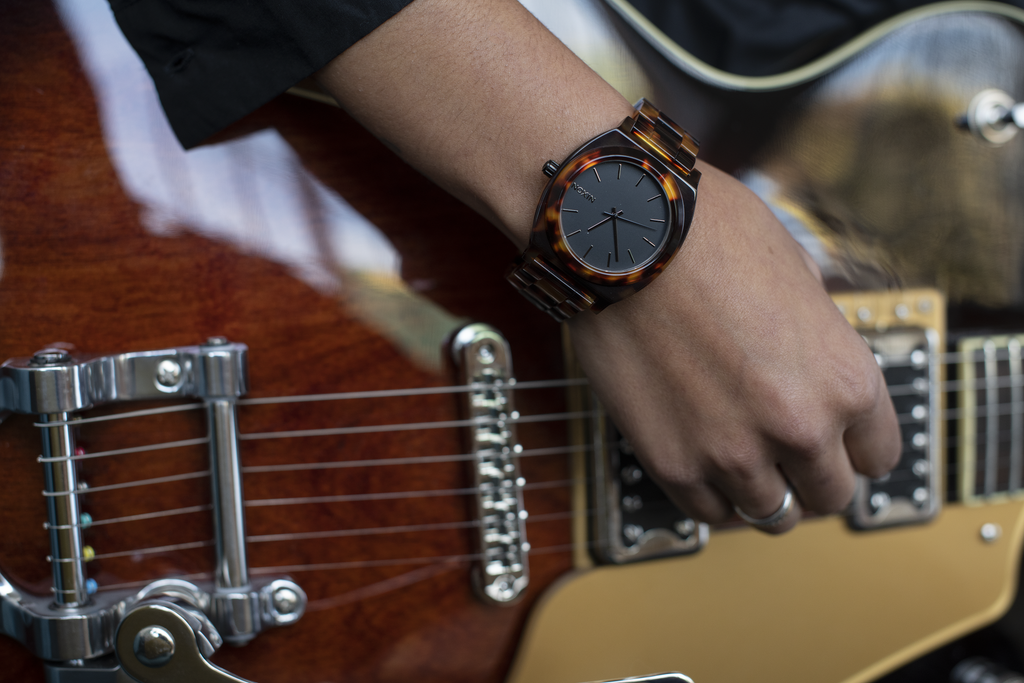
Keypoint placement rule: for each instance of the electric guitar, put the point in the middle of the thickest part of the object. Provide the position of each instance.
(381, 443)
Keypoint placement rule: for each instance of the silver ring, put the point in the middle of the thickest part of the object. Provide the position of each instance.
(773, 519)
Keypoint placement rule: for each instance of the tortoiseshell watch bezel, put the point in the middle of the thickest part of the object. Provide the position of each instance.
(548, 238)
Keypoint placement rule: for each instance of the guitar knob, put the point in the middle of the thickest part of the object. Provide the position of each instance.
(993, 116)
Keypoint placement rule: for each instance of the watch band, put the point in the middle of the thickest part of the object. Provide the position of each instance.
(661, 135)
(546, 288)
(544, 284)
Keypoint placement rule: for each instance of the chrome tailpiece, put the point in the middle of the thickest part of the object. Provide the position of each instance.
(74, 629)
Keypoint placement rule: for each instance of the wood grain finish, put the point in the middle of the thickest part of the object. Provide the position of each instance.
(80, 267)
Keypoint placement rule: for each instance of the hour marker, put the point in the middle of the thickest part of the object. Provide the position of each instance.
(571, 210)
(628, 251)
(597, 174)
(657, 220)
(642, 176)
(587, 251)
(574, 233)
(609, 264)
(650, 243)
(654, 197)
(619, 177)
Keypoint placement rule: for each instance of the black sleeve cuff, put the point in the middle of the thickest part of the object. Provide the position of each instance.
(214, 61)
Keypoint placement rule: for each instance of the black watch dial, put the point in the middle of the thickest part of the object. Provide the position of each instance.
(615, 216)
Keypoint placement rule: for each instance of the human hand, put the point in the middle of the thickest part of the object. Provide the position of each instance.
(734, 373)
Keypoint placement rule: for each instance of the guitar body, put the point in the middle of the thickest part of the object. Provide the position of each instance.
(83, 265)
(284, 235)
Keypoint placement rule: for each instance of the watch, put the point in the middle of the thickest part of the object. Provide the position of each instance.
(612, 216)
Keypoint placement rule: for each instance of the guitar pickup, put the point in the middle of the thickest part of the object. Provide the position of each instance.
(904, 331)
(633, 518)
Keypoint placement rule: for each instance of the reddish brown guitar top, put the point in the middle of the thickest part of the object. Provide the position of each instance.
(80, 267)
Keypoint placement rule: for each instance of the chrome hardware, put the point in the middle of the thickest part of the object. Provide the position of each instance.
(73, 384)
(990, 532)
(153, 646)
(994, 116)
(909, 358)
(67, 552)
(483, 358)
(160, 642)
(634, 519)
(78, 623)
(981, 670)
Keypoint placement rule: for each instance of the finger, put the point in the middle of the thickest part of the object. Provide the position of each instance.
(873, 442)
(824, 483)
(759, 489)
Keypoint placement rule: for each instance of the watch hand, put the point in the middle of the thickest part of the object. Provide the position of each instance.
(639, 225)
(615, 236)
(599, 223)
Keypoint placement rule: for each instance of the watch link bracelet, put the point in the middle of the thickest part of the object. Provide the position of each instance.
(613, 215)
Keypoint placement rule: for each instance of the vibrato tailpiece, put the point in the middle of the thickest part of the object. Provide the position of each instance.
(75, 630)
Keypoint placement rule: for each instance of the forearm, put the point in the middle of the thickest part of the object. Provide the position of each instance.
(477, 96)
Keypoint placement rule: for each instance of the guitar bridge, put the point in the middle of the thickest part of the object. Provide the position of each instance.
(484, 361)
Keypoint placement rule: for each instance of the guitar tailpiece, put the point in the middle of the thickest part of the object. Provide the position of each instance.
(78, 623)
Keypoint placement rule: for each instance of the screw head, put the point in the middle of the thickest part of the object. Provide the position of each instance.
(154, 646)
(685, 528)
(50, 357)
(168, 373)
(216, 341)
(285, 600)
(485, 354)
(990, 532)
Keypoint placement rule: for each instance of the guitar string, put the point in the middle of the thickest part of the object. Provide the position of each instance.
(514, 418)
(334, 533)
(358, 564)
(341, 396)
(949, 414)
(890, 362)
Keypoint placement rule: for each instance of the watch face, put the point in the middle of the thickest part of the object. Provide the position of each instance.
(615, 216)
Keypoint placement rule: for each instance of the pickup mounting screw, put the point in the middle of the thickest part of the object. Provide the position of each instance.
(168, 373)
(685, 528)
(902, 311)
(50, 357)
(154, 646)
(990, 532)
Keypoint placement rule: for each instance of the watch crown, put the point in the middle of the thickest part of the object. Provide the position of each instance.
(550, 169)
